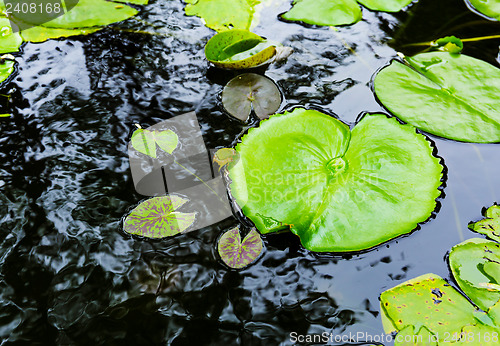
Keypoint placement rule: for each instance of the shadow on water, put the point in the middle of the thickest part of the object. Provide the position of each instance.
(68, 275)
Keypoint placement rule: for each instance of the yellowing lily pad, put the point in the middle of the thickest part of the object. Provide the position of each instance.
(238, 49)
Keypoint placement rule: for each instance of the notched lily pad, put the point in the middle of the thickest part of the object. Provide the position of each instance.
(251, 91)
(449, 95)
(239, 49)
(338, 12)
(236, 253)
(158, 217)
(145, 141)
(490, 225)
(337, 190)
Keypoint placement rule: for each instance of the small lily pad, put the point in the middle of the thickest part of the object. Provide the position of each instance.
(449, 44)
(236, 253)
(238, 49)
(251, 91)
(145, 141)
(158, 217)
(490, 226)
(6, 68)
(475, 264)
(225, 156)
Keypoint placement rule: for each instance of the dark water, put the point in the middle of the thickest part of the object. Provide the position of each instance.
(68, 275)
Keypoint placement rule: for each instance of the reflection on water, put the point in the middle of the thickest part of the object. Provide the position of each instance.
(67, 272)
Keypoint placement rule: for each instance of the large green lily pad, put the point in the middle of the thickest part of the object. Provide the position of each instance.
(338, 12)
(490, 8)
(222, 15)
(85, 17)
(475, 264)
(428, 306)
(238, 49)
(338, 191)
(158, 217)
(450, 95)
(490, 225)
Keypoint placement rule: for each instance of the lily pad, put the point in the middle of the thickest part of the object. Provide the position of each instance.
(10, 41)
(145, 141)
(6, 68)
(337, 190)
(430, 307)
(236, 253)
(490, 8)
(338, 12)
(450, 44)
(85, 17)
(490, 226)
(475, 264)
(238, 49)
(223, 15)
(450, 95)
(225, 156)
(158, 217)
(251, 91)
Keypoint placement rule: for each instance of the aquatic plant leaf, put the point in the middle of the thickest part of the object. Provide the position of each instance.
(10, 41)
(450, 44)
(490, 225)
(238, 49)
(324, 12)
(490, 8)
(6, 69)
(85, 17)
(145, 141)
(429, 302)
(385, 5)
(475, 264)
(236, 253)
(157, 217)
(450, 95)
(250, 90)
(225, 156)
(223, 15)
(338, 191)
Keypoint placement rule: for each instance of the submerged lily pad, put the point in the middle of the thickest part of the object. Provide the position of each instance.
(490, 8)
(251, 91)
(236, 253)
(428, 306)
(158, 217)
(450, 95)
(145, 141)
(490, 226)
(475, 264)
(338, 12)
(238, 49)
(337, 190)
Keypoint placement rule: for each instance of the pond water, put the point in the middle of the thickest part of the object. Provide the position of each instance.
(69, 275)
